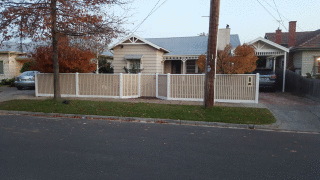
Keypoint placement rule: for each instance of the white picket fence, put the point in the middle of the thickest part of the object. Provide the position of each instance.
(242, 88)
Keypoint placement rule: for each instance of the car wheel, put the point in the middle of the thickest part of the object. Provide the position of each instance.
(19, 87)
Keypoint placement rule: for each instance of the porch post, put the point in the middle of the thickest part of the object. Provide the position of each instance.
(274, 64)
(284, 72)
(184, 66)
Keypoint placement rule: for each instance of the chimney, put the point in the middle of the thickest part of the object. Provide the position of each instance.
(278, 36)
(292, 33)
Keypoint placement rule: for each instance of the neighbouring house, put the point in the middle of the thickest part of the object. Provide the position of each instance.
(272, 57)
(11, 61)
(176, 55)
(304, 55)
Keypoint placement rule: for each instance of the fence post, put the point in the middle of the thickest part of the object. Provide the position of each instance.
(36, 85)
(157, 85)
(139, 85)
(168, 86)
(77, 84)
(257, 88)
(121, 85)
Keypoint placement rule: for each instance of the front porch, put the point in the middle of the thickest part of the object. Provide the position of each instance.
(271, 56)
(180, 65)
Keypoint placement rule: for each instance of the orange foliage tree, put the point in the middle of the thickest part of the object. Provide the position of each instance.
(242, 61)
(71, 58)
(201, 62)
(39, 20)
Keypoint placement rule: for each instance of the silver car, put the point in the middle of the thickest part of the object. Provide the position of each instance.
(26, 80)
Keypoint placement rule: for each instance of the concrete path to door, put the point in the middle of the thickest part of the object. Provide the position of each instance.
(292, 112)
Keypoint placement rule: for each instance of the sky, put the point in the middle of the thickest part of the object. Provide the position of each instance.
(247, 18)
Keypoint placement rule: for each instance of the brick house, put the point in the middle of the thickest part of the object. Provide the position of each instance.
(304, 55)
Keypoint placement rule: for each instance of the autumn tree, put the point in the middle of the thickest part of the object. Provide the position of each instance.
(243, 60)
(71, 58)
(201, 62)
(41, 20)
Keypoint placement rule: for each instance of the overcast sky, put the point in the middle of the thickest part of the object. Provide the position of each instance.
(247, 18)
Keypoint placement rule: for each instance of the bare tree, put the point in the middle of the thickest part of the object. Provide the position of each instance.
(42, 20)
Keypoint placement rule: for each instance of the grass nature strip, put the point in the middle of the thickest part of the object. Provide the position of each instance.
(238, 115)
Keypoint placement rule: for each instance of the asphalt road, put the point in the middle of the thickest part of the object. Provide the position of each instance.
(55, 148)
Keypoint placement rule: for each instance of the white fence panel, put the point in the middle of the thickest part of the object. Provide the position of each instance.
(148, 85)
(130, 85)
(236, 88)
(187, 87)
(99, 85)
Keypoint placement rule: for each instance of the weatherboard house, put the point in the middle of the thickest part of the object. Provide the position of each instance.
(12, 59)
(176, 55)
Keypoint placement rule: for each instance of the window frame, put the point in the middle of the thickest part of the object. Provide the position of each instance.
(1, 68)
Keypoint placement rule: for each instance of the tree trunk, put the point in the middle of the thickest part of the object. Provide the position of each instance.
(210, 69)
(56, 81)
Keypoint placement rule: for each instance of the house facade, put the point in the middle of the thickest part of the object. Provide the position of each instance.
(176, 55)
(12, 60)
(10, 64)
(304, 55)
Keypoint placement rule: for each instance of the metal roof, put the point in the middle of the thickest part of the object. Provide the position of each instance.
(107, 53)
(194, 45)
(133, 56)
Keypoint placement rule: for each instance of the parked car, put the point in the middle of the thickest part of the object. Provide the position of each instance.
(26, 80)
(267, 79)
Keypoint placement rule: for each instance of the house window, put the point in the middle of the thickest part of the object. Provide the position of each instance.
(134, 64)
(1, 67)
(191, 66)
(317, 65)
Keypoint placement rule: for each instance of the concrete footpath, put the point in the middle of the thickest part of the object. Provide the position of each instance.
(292, 113)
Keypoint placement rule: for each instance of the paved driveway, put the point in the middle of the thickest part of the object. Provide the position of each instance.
(293, 112)
(9, 93)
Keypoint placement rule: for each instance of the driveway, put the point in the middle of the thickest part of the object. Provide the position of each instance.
(292, 112)
(9, 93)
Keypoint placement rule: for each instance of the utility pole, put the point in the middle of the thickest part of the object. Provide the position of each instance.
(56, 81)
(210, 69)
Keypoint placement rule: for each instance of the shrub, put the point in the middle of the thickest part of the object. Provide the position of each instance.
(7, 82)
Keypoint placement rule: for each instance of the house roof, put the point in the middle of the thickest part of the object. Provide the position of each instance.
(133, 56)
(15, 47)
(135, 37)
(107, 53)
(270, 43)
(306, 39)
(194, 45)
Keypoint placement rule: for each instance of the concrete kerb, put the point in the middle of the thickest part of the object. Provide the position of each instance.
(154, 120)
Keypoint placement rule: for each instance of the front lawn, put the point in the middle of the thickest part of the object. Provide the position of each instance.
(238, 115)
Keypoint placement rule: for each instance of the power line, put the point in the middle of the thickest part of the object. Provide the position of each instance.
(281, 15)
(153, 10)
(281, 21)
(269, 12)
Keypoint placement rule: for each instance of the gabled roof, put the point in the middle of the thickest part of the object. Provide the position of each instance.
(270, 43)
(302, 38)
(193, 45)
(196, 45)
(139, 39)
